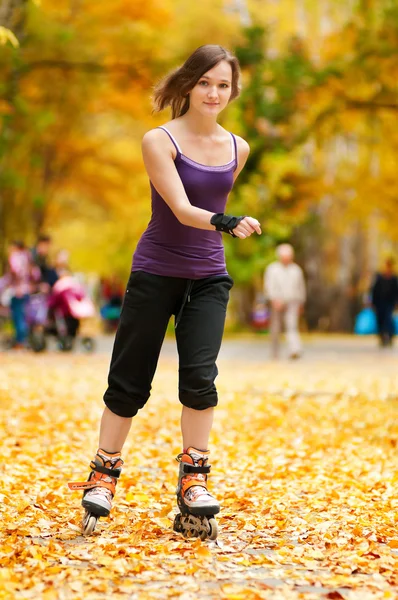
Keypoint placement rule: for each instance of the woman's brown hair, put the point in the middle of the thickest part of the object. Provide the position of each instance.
(173, 90)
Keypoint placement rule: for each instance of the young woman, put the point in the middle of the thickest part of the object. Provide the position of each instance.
(178, 269)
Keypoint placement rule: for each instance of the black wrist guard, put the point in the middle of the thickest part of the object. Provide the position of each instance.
(225, 223)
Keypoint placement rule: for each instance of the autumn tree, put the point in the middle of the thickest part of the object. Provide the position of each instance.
(318, 108)
(321, 168)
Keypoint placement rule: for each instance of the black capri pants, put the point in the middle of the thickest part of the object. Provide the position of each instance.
(199, 307)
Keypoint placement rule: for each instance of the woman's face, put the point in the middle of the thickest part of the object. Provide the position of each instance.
(213, 90)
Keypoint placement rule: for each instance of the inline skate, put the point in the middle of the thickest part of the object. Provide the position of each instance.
(197, 506)
(99, 489)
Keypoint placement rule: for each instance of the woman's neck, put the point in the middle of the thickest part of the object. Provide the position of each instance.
(200, 124)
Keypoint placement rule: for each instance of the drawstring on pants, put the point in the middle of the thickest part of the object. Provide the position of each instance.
(187, 298)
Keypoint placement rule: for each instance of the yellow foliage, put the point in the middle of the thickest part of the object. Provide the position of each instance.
(7, 36)
(303, 462)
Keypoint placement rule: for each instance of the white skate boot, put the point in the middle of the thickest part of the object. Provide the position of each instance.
(99, 489)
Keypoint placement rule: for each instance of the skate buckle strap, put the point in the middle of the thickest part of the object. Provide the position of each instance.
(111, 472)
(88, 485)
(187, 468)
(98, 478)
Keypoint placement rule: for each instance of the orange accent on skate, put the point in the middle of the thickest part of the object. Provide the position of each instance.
(195, 479)
(201, 462)
(185, 485)
(189, 481)
(191, 449)
(81, 485)
(102, 456)
(96, 480)
(185, 458)
(87, 485)
(108, 454)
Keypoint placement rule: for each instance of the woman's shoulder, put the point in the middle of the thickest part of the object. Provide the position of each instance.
(163, 131)
(242, 145)
(158, 145)
(156, 139)
(154, 134)
(243, 148)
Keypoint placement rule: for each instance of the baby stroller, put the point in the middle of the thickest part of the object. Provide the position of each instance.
(60, 314)
(36, 315)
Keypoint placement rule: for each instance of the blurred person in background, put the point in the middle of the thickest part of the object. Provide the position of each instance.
(41, 258)
(62, 263)
(112, 291)
(111, 300)
(284, 287)
(21, 273)
(384, 297)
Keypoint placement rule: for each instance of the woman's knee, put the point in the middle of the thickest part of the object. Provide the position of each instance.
(197, 389)
(123, 405)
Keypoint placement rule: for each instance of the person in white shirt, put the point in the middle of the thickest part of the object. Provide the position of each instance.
(284, 287)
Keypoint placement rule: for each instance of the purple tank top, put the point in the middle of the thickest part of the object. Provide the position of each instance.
(169, 248)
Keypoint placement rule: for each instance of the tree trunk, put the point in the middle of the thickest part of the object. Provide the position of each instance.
(12, 16)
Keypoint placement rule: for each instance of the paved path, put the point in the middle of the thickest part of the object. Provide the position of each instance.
(256, 348)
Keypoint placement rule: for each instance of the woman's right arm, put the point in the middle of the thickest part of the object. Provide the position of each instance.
(157, 152)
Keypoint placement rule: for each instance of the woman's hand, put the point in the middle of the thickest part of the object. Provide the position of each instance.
(246, 227)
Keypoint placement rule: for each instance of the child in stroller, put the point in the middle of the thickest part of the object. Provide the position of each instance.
(59, 313)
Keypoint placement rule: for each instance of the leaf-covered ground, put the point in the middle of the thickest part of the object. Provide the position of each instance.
(304, 463)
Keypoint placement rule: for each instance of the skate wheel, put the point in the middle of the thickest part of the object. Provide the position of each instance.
(88, 344)
(177, 524)
(89, 523)
(213, 526)
(190, 526)
(65, 343)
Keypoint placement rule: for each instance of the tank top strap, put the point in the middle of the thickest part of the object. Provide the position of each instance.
(177, 147)
(234, 148)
